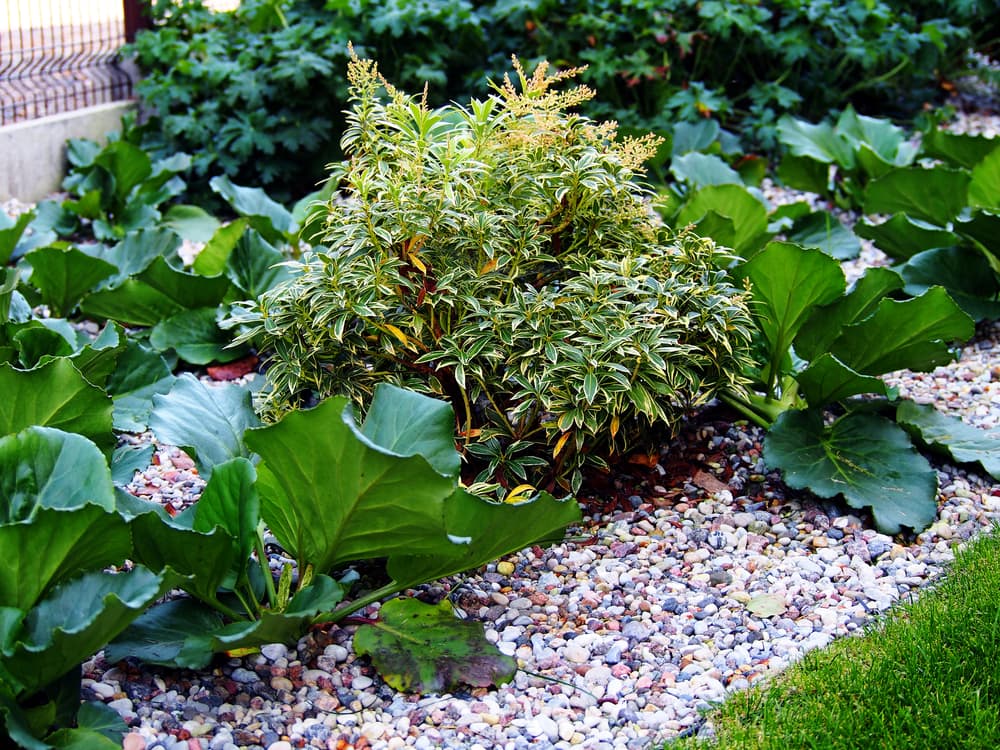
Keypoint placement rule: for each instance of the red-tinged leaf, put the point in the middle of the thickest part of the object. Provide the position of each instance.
(425, 648)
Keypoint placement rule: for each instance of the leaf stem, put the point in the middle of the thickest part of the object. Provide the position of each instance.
(272, 595)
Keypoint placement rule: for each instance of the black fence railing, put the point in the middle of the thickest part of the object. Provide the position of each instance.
(60, 55)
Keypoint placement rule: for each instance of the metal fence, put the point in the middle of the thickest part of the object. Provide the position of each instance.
(60, 55)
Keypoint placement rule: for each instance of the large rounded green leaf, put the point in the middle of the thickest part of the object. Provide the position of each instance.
(788, 282)
(866, 459)
(735, 202)
(41, 467)
(824, 231)
(196, 337)
(964, 271)
(425, 648)
(825, 323)
(960, 149)
(409, 424)
(482, 531)
(827, 380)
(331, 495)
(64, 275)
(77, 619)
(208, 422)
(950, 434)
(185, 633)
(55, 545)
(984, 190)
(913, 334)
(936, 195)
(902, 237)
(55, 394)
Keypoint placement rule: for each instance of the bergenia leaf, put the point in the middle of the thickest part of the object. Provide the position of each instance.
(950, 435)
(788, 282)
(55, 394)
(208, 422)
(937, 195)
(481, 531)
(913, 334)
(425, 648)
(825, 323)
(409, 424)
(77, 619)
(330, 494)
(865, 458)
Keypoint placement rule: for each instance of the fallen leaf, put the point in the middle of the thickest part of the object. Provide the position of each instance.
(233, 370)
(767, 605)
(709, 482)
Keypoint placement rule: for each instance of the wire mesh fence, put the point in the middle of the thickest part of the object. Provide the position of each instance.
(60, 55)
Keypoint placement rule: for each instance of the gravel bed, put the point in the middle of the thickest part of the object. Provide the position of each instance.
(651, 611)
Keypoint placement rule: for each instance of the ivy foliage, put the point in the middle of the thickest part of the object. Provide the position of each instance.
(504, 257)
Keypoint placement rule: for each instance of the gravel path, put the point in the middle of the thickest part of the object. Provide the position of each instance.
(698, 577)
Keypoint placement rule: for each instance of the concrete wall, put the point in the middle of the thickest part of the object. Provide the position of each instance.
(33, 153)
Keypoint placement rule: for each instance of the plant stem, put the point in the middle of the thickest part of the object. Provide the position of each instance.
(370, 598)
(272, 595)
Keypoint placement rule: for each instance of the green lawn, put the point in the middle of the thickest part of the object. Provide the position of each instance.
(927, 677)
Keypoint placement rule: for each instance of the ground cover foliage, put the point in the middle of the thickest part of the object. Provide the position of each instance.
(257, 93)
(580, 247)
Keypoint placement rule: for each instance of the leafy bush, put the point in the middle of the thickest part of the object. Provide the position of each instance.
(652, 61)
(503, 257)
(257, 93)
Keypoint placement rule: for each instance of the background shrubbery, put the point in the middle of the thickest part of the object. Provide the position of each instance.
(259, 93)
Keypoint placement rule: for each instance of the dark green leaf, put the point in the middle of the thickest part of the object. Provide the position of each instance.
(865, 458)
(127, 460)
(140, 375)
(984, 190)
(914, 334)
(824, 231)
(936, 195)
(409, 424)
(77, 619)
(748, 214)
(803, 173)
(819, 142)
(41, 467)
(63, 276)
(213, 258)
(902, 237)
(424, 648)
(330, 495)
(699, 170)
(789, 282)
(825, 323)
(56, 545)
(963, 271)
(207, 422)
(253, 265)
(266, 216)
(190, 222)
(949, 434)
(55, 394)
(481, 531)
(196, 337)
(827, 380)
(176, 633)
(960, 149)
(10, 233)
